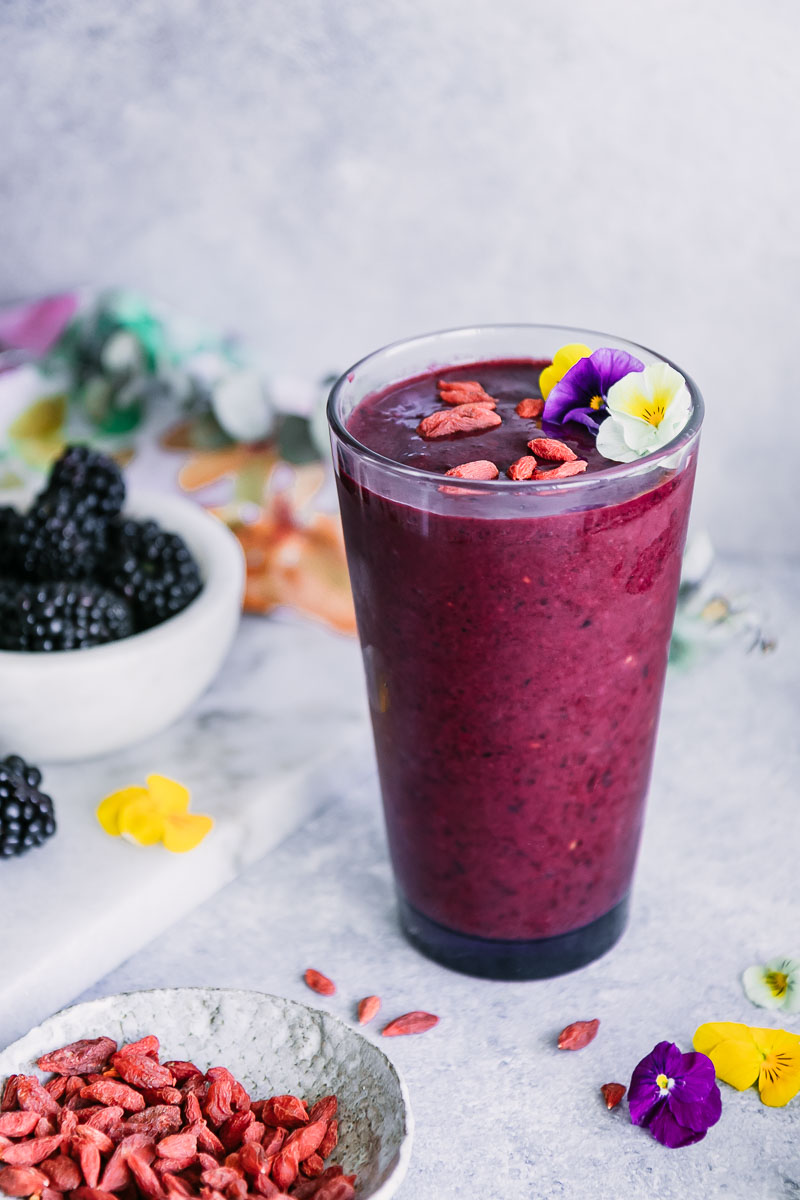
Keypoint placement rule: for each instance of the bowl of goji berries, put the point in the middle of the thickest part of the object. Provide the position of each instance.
(203, 1093)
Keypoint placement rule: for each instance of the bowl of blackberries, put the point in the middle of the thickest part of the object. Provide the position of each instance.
(116, 611)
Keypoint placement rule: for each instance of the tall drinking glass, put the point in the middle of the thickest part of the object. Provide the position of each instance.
(515, 640)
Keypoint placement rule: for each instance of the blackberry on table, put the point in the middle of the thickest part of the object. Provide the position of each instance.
(62, 536)
(90, 476)
(154, 570)
(61, 616)
(27, 818)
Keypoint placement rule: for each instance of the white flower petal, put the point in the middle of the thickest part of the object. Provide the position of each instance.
(611, 442)
(758, 990)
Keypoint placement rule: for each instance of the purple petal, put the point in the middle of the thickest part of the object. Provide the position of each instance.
(584, 416)
(697, 1071)
(580, 384)
(669, 1132)
(695, 1114)
(610, 366)
(37, 326)
(644, 1094)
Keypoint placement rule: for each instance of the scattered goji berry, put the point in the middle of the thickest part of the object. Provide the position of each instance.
(232, 1130)
(481, 468)
(285, 1167)
(465, 393)
(613, 1093)
(285, 1110)
(101, 1118)
(88, 1193)
(87, 1135)
(531, 406)
(563, 471)
(272, 1141)
(149, 1045)
(523, 468)
(183, 1070)
(313, 1166)
(551, 450)
(466, 418)
(33, 1098)
(412, 1022)
(319, 983)
(9, 1099)
(63, 1173)
(89, 1159)
(146, 1178)
(578, 1034)
(57, 1086)
(89, 1054)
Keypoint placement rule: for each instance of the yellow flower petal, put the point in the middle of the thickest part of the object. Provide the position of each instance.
(737, 1062)
(141, 819)
(109, 809)
(168, 795)
(563, 361)
(184, 831)
(713, 1032)
(778, 1086)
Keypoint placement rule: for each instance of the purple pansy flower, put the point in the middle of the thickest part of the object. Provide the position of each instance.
(675, 1095)
(581, 393)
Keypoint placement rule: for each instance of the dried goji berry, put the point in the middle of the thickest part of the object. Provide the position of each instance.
(331, 1139)
(68, 1121)
(285, 1110)
(285, 1167)
(173, 1166)
(207, 1140)
(90, 1136)
(463, 393)
(141, 1071)
(46, 1126)
(563, 471)
(236, 1190)
(148, 1045)
(523, 468)
(313, 1166)
(33, 1098)
(412, 1022)
(254, 1132)
(28, 1154)
(176, 1186)
(264, 1186)
(218, 1107)
(101, 1118)
(531, 406)
(159, 1120)
(578, 1034)
(219, 1177)
(9, 1100)
(613, 1093)
(21, 1181)
(342, 1188)
(89, 1054)
(466, 418)
(50, 1193)
(87, 1193)
(162, 1095)
(307, 1139)
(481, 468)
(273, 1140)
(75, 1085)
(56, 1086)
(232, 1130)
(63, 1173)
(18, 1124)
(89, 1159)
(319, 983)
(324, 1108)
(111, 1092)
(551, 450)
(176, 1145)
(146, 1178)
(183, 1070)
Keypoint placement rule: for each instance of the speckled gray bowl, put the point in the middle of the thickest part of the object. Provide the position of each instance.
(273, 1046)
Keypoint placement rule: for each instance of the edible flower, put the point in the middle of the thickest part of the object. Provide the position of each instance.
(674, 1095)
(563, 360)
(581, 394)
(158, 812)
(776, 984)
(646, 409)
(743, 1055)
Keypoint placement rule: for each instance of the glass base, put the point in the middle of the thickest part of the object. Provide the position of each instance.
(539, 958)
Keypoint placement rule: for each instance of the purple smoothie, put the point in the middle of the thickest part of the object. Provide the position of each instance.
(515, 665)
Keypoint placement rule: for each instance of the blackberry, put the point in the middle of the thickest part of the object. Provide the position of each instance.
(10, 522)
(62, 536)
(26, 814)
(152, 569)
(61, 616)
(92, 477)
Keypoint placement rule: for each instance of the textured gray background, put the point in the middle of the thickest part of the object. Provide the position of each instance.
(327, 176)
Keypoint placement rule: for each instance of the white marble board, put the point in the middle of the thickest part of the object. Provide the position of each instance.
(261, 751)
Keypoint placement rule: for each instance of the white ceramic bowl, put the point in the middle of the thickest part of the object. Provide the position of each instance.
(75, 704)
(273, 1046)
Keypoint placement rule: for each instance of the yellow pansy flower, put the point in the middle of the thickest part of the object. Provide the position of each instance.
(158, 812)
(563, 360)
(743, 1055)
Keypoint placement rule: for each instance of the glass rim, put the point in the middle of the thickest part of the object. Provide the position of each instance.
(619, 470)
